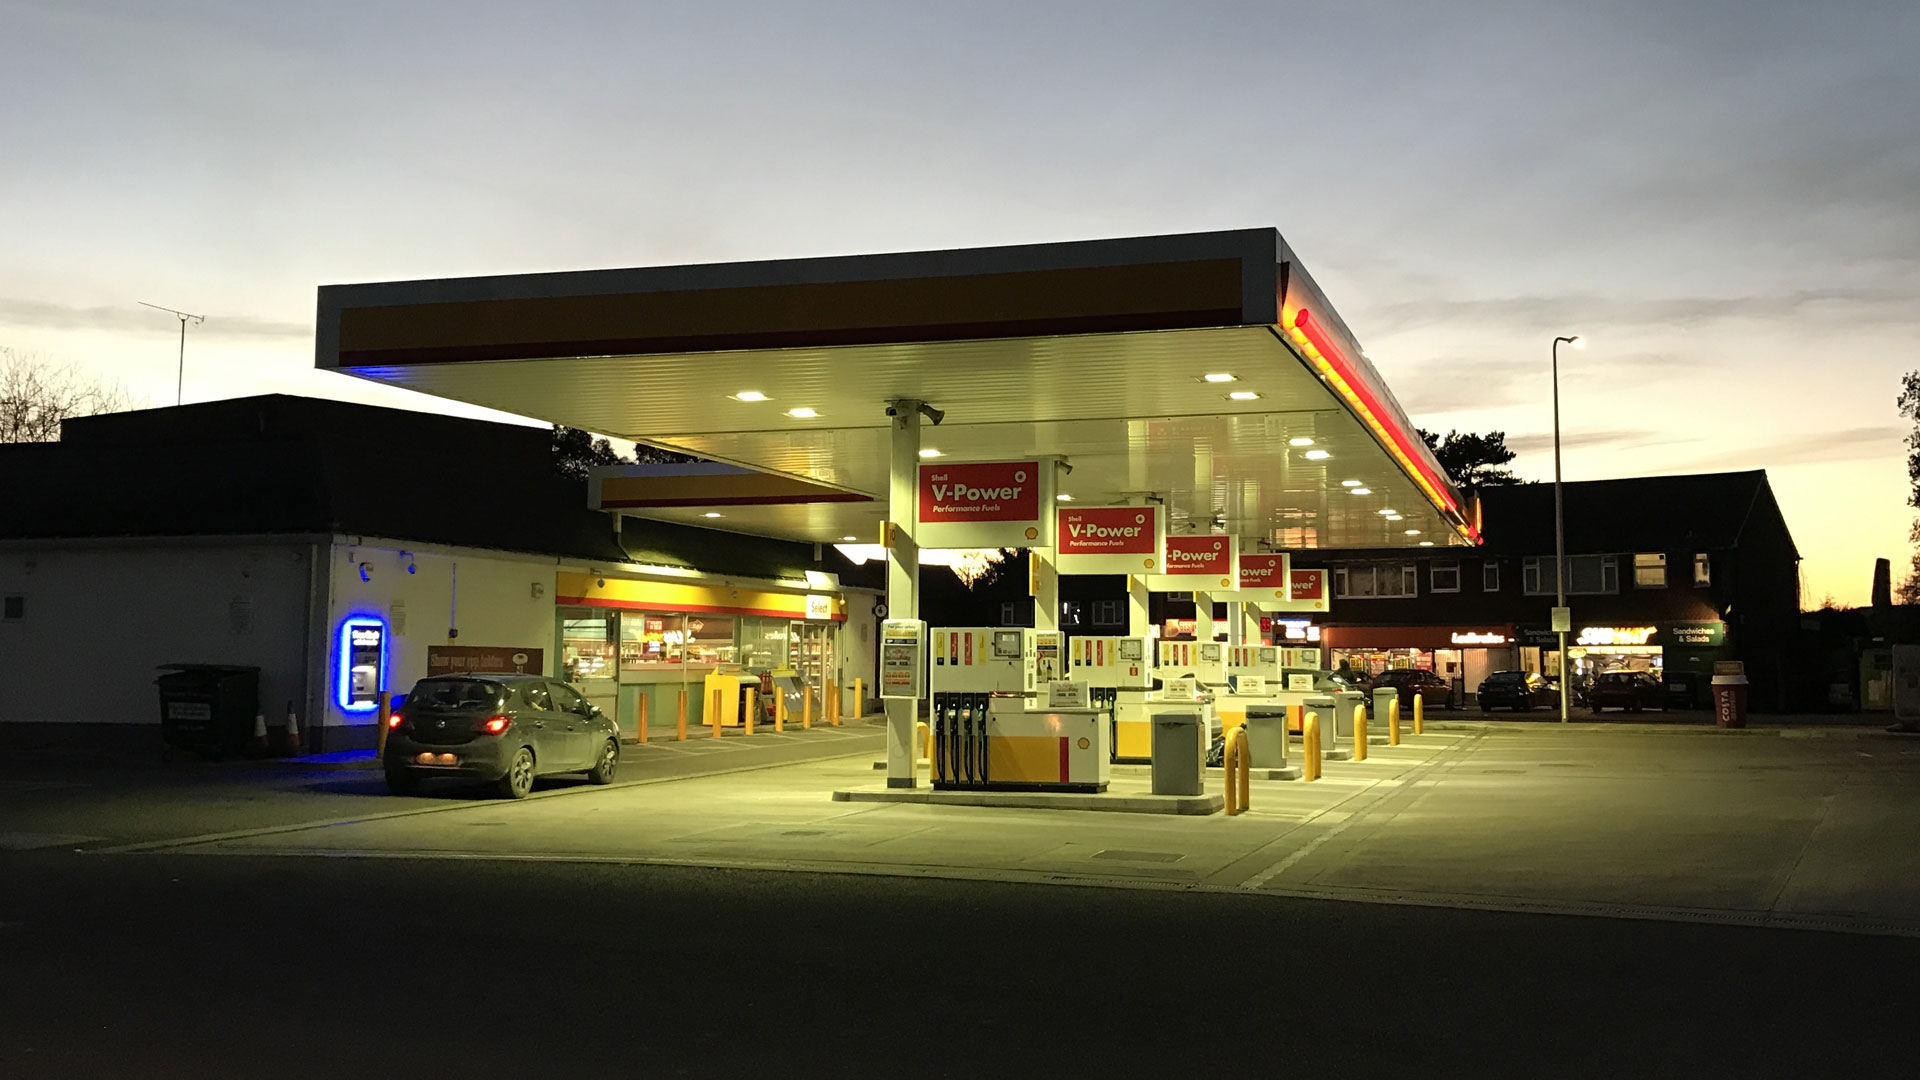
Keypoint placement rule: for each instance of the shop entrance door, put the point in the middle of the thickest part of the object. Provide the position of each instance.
(812, 656)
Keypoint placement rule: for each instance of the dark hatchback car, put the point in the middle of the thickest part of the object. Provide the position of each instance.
(1412, 682)
(504, 728)
(1518, 690)
(1629, 690)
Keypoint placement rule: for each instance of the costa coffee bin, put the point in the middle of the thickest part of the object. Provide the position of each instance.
(1730, 694)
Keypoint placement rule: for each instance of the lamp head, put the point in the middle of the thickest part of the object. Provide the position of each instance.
(1577, 342)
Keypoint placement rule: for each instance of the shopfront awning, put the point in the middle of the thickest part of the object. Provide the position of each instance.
(1204, 369)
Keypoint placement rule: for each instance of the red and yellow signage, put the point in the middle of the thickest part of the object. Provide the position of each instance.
(629, 594)
(985, 504)
(1108, 540)
(1264, 572)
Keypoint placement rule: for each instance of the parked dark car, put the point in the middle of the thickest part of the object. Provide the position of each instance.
(1518, 690)
(1411, 683)
(1629, 690)
(504, 728)
(1343, 679)
(1684, 690)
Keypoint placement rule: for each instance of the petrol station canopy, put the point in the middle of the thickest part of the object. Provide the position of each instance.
(1098, 353)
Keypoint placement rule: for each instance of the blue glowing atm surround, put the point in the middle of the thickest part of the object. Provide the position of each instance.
(360, 663)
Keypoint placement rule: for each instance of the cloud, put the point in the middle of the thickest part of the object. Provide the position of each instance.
(1590, 309)
(1849, 444)
(1621, 439)
(42, 314)
(1464, 384)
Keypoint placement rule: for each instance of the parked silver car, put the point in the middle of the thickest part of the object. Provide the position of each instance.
(504, 728)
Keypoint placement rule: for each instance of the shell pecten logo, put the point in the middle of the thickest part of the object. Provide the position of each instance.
(1147, 562)
(1033, 534)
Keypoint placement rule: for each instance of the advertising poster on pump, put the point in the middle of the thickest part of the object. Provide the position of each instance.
(1206, 564)
(986, 504)
(1108, 539)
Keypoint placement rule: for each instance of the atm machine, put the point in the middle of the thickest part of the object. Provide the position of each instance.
(988, 732)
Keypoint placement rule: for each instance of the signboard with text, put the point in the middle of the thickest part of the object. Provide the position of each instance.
(985, 504)
(464, 659)
(1199, 563)
(1108, 539)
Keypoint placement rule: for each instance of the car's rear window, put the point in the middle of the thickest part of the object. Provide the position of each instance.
(453, 694)
(1507, 676)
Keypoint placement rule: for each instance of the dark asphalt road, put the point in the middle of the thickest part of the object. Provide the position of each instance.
(217, 966)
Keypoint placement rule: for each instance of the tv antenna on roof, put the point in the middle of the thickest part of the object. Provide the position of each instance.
(180, 380)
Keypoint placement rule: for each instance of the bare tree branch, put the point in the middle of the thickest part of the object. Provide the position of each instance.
(36, 394)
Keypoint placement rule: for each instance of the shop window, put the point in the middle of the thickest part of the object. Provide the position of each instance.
(1701, 571)
(1445, 577)
(588, 643)
(1363, 581)
(1650, 570)
(1108, 613)
(1489, 576)
(1587, 575)
(764, 642)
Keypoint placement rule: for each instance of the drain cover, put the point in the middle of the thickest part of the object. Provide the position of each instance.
(1138, 856)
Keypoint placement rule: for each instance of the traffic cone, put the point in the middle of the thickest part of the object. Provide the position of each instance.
(291, 744)
(260, 734)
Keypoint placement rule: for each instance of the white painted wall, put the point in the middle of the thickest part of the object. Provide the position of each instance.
(491, 599)
(100, 619)
(859, 638)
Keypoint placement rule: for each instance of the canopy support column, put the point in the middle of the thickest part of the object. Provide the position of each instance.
(903, 574)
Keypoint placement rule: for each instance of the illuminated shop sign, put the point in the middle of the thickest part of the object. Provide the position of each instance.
(361, 664)
(1615, 635)
(1476, 637)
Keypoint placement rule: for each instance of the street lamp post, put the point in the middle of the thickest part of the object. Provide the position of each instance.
(180, 377)
(1560, 524)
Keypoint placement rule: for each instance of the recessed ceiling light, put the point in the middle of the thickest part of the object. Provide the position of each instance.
(749, 395)
(1359, 491)
(1220, 376)
(1243, 395)
(1383, 511)
(1413, 532)
(802, 413)
(1317, 455)
(1426, 543)
(711, 513)
(1393, 517)
(1063, 497)
(1349, 483)
(929, 452)
(849, 539)
(1299, 440)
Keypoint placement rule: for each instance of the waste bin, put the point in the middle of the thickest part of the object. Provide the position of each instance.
(208, 708)
(1344, 704)
(1267, 736)
(1730, 694)
(1179, 754)
(1383, 699)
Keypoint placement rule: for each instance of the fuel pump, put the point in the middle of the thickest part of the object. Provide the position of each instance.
(988, 729)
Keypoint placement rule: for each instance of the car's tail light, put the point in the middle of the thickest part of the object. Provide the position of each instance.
(396, 720)
(497, 724)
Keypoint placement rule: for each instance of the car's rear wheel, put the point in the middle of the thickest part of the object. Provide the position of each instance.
(403, 781)
(602, 771)
(517, 781)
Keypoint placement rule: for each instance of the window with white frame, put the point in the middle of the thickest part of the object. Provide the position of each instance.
(1702, 573)
(1363, 581)
(1650, 570)
(1489, 576)
(1108, 613)
(1071, 613)
(1444, 577)
(1016, 613)
(1587, 575)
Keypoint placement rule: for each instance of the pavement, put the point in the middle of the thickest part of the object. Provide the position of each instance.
(1488, 898)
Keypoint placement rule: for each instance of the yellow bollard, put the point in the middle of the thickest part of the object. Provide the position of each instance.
(1393, 721)
(681, 727)
(1360, 733)
(713, 714)
(833, 713)
(859, 698)
(380, 725)
(1238, 772)
(779, 708)
(640, 721)
(1310, 747)
(747, 708)
(923, 738)
(806, 707)
(1419, 714)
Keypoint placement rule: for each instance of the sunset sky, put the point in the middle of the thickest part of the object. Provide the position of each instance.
(1724, 197)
